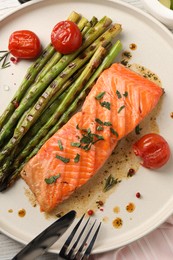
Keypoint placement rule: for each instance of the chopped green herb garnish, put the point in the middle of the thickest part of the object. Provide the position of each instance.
(138, 129)
(100, 95)
(113, 132)
(86, 147)
(121, 108)
(99, 137)
(118, 94)
(125, 94)
(60, 145)
(100, 128)
(75, 144)
(99, 121)
(110, 182)
(88, 139)
(77, 158)
(63, 159)
(106, 104)
(52, 179)
(103, 123)
(107, 123)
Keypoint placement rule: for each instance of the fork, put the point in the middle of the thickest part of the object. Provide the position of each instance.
(80, 247)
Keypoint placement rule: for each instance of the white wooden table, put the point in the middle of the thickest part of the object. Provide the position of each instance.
(8, 247)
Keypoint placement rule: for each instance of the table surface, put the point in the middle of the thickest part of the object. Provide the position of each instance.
(8, 247)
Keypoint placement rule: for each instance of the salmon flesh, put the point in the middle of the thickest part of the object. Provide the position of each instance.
(117, 103)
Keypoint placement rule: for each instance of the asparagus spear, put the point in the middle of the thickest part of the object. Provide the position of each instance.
(57, 56)
(76, 87)
(90, 24)
(110, 57)
(46, 114)
(36, 127)
(37, 89)
(68, 98)
(30, 76)
(84, 26)
(50, 93)
(12, 175)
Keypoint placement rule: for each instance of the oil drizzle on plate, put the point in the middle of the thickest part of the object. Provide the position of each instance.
(117, 223)
(21, 213)
(130, 207)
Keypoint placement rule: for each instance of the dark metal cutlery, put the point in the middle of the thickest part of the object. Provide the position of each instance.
(23, 1)
(39, 245)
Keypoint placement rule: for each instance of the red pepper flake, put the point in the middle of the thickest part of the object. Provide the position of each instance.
(131, 172)
(90, 212)
(14, 60)
(138, 195)
(101, 209)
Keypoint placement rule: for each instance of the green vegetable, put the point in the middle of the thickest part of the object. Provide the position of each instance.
(3, 59)
(106, 104)
(110, 183)
(121, 108)
(77, 158)
(39, 88)
(55, 88)
(30, 76)
(100, 128)
(107, 123)
(125, 94)
(166, 3)
(114, 132)
(60, 145)
(138, 129)
(63, 159)
(89, 139)
(171, 7)
(52, 179)
(118, 94)
(75, 144)
(57, 56)
(8, 177)
(99, 121)
(100, 95)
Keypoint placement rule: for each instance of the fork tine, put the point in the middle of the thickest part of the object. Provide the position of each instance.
(69, 239)
(77, 240)
(84, 241)
(91, 244)
(84, 250)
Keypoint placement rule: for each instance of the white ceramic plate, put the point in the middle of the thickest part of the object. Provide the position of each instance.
(154, 50)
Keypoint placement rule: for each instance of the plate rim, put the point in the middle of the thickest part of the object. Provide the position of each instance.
(152, 20)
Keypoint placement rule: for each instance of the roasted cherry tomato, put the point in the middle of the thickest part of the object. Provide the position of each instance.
(66, 37)
(153, 149)
(24, 44)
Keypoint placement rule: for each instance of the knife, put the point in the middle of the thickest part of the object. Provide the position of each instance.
(47, 238)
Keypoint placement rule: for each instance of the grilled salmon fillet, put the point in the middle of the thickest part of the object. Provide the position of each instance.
(117, 103)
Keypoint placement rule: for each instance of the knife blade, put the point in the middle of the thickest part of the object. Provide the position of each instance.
(46, 238)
